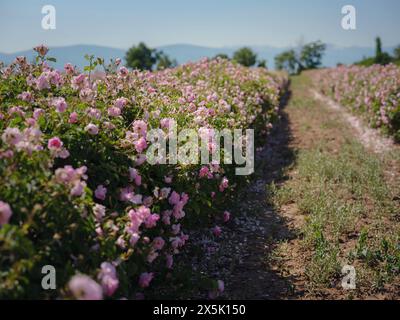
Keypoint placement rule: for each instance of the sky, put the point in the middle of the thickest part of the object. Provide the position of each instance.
(215, 23)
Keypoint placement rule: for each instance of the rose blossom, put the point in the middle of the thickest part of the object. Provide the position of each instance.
(135, 176)
(73, 118)
(11, 136)
(169, 261)
(217, 231)
(55, 143)
(108, 278)
(85, 288)
(114, 112)
(92, 129)
(100, 192)
(69, 68)
(5, 213)
(158, 243)
(151, 220)
(140, 145)
(60, 105)
(227, 216)
(41, 50)
(145, 279)
(140, 159)
(140, 127)
(99, 211)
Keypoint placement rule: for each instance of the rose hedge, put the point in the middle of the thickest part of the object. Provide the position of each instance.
(373, 92)
(76, 192)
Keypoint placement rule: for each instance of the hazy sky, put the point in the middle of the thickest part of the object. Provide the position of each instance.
(121, 23)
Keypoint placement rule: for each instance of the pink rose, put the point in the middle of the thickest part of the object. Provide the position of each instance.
(12, 136)
(55, 143)
(170, 261)
(139, 126)
(5, 213)
(92, 129)
(135, 176)
(151, 221)
(100, 192)
(114, 112)
(140, 159)
(227, 216)
(120, 103)
(152, 256)
(158, 243)
(168, 179)
(123, 72)
(99, 211)
(140, 145)
(73, 118)
(60, 105)
(108, 278)
(145, 279)
(37, 113)
(174, 198)
(69, 68)
(85, 288)
(217, 231)
(41, 50)
(78, 189)
(205, 172)
(224, 184)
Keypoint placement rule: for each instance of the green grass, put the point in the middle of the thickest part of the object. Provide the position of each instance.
(336, 192)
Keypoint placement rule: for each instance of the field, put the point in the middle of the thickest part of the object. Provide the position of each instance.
(79, 191)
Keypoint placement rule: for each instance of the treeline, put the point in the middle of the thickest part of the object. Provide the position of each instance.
(381, 57)
(309, 56)
(142, 57)
(246, 57)
(294, 61)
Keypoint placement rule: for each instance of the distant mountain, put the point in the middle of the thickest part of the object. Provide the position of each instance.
(73, 54)
(186, 52)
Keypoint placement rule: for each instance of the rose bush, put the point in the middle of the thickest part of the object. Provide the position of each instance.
(76, 191)
(373, 92)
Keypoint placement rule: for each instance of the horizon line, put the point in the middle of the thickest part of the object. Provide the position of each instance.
(190, 44)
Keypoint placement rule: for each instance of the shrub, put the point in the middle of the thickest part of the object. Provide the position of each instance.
(76, 191)
(373, 92)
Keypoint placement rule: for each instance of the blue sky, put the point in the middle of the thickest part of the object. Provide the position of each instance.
(217, 23)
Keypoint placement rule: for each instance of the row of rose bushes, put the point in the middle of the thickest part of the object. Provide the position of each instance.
(373, 92)
(76, 191)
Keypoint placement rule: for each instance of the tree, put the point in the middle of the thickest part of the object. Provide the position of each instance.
(380, 56)
(378, 47)
(222, 56)
(141, 57)
(397, 53)
(164, 61)
(384, 59)
(287, 61)
(262, 63)
(245, 56)
(311, 55)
